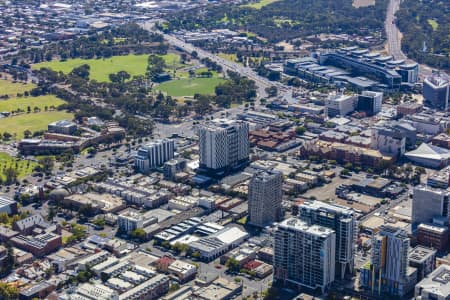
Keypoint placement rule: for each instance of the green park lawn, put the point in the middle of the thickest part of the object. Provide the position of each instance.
(260, 4)
(172, 59)
(23, 103)
(32, 121)
(101, 68)
(12, 88)
(189, 86)
(23, 167)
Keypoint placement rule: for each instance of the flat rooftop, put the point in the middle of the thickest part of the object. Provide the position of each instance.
(103, 201)
(421, 253)
(322, 205)
(299, 225)
(437, 282)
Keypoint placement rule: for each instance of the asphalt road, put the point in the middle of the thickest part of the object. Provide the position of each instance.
(392, 32)
(261, 82)
(394, 40)
(186, 128)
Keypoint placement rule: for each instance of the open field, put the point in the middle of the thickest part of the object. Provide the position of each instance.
(12, 88)
(23, 103)
(260, 4)
(16, 125)
(189, 86)
(231, 57)
(101, 68)
(279, 22)
(363, 3)
(23, 167)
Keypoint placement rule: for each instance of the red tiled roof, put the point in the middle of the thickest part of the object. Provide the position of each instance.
(253, 264)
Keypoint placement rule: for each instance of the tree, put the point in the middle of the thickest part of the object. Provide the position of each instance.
(271, 293)
(173, 287)
(84, 276)
(235, 90)
(139, 234)
(4, 218)
(81, 71)
(421, 170)
(11, 175)
(348, 166)
(233, 265)
(47, 164)
(119, 77)
(78, 232)
(300, 130)
(99, 222)
(383, 165)
(183, 57)
(27, 134)
(203, 104)
(273, 75)
(329, 125)
(272, 91)
(429, 24)
(8, 262)
(345, 172)
(156, 66)
(8, 292)
(51, 213)
(165, 244)
(49, 272)
(180, 248)
(25, 198)
(86, 210)
(92, 151)
(7, 136)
